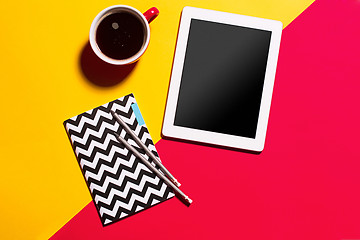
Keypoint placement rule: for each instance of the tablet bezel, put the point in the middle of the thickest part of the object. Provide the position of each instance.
(169, 130)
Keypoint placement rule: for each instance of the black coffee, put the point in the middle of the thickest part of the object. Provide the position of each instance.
(120, 35)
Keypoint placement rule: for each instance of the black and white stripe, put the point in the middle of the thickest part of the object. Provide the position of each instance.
(119, 183)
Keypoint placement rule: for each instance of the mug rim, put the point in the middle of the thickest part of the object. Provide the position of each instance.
(95, 47)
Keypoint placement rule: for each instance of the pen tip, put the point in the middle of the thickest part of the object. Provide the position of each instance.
(177, 183)
(116, 135)
(112, 112)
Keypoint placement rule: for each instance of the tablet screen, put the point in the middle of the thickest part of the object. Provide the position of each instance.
(222, 79)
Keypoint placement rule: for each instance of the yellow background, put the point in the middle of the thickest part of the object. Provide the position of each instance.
(42, 85)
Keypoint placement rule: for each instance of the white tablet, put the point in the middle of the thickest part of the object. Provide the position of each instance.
(222, 79)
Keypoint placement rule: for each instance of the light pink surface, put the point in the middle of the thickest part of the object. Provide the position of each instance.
(304, 185)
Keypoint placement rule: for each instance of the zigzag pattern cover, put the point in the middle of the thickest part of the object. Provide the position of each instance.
(119, 183)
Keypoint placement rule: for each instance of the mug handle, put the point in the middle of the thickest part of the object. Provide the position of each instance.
(151, 14)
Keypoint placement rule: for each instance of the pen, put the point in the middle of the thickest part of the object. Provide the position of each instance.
(153, 169)
(143, 146)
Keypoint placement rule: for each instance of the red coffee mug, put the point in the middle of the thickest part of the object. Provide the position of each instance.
(116, 44)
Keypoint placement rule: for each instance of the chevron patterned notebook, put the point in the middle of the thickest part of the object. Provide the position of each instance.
(119, 183)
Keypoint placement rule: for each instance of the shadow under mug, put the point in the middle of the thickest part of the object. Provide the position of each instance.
(145, 19)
